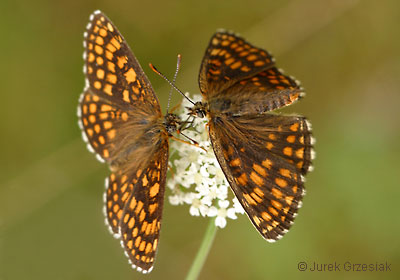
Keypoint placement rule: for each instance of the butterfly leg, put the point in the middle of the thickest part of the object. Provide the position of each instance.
(193, 143)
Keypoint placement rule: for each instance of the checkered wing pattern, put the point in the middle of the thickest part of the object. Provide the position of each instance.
(121, 120)
(264, 159)
(233, 68)
(263, 156)
(140, 222)
(111, 68)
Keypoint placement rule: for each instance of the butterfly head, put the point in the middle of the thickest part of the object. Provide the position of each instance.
(171, 122)
(198, 110)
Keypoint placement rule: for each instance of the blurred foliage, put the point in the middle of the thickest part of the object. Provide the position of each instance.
(345, 53)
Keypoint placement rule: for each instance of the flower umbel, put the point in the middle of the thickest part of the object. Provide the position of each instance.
(198, 179)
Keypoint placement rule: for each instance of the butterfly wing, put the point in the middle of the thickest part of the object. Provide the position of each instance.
(120, 118)
(229, 59)
(140, 223)
(233, 69)
(111, 69)
(263, 158)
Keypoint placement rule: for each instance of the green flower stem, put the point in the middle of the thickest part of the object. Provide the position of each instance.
(204, 249)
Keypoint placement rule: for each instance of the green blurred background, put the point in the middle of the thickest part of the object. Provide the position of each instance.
(345, 53)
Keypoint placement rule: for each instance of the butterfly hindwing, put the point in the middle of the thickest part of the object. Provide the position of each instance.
(266, 181)
(141, 218)
(263, 92)
(118, 190)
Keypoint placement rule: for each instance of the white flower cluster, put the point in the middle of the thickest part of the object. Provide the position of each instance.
(197, 178)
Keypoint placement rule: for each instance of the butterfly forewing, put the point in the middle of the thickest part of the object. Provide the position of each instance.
(112, 70)
(251, 152)
(229, 59)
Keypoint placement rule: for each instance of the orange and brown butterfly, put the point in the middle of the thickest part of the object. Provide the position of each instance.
(121, 120)
(264, 156)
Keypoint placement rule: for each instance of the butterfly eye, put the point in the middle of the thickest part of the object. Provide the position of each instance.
(200, 114)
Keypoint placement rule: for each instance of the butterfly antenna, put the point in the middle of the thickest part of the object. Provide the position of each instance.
(168, 81)
(178, 65)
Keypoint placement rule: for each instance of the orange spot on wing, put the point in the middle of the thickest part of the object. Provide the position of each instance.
(107, 124)
(125, 95)
(294, 127)
(291, 138)
(249, 199)
(110, 27)
(91, 57)
(269, 145)
(300, 153)
(276, 204)
(152, 208)
(289, 199)
(97, 85)
(277, 193)
(108, 89)
(130, 75)
(142, 246)
(266, 216)
(138, 207)
(99, 40)
(288, 151)
(281, 182)
(98, 50)
(131, 223)
(109, 55)
(115, 43)
(236, 65)
(149, 248)
(137, 241)
(229, 61)
(256, 197)
(121, 61)
(102, 32)
(106, 153)
(272, 136)
(112, 78)
(284, 172)
(242, 179)
(144, 181)
(256, 179)
(267, 163)
(133, 203)
(260, 170)
(154, 189)
(273, 211)
(111, 48)
(142, 215)
(111, 134)
(258, 191)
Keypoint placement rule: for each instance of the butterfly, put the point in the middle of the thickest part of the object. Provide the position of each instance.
(263, 155)
(121, 120)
